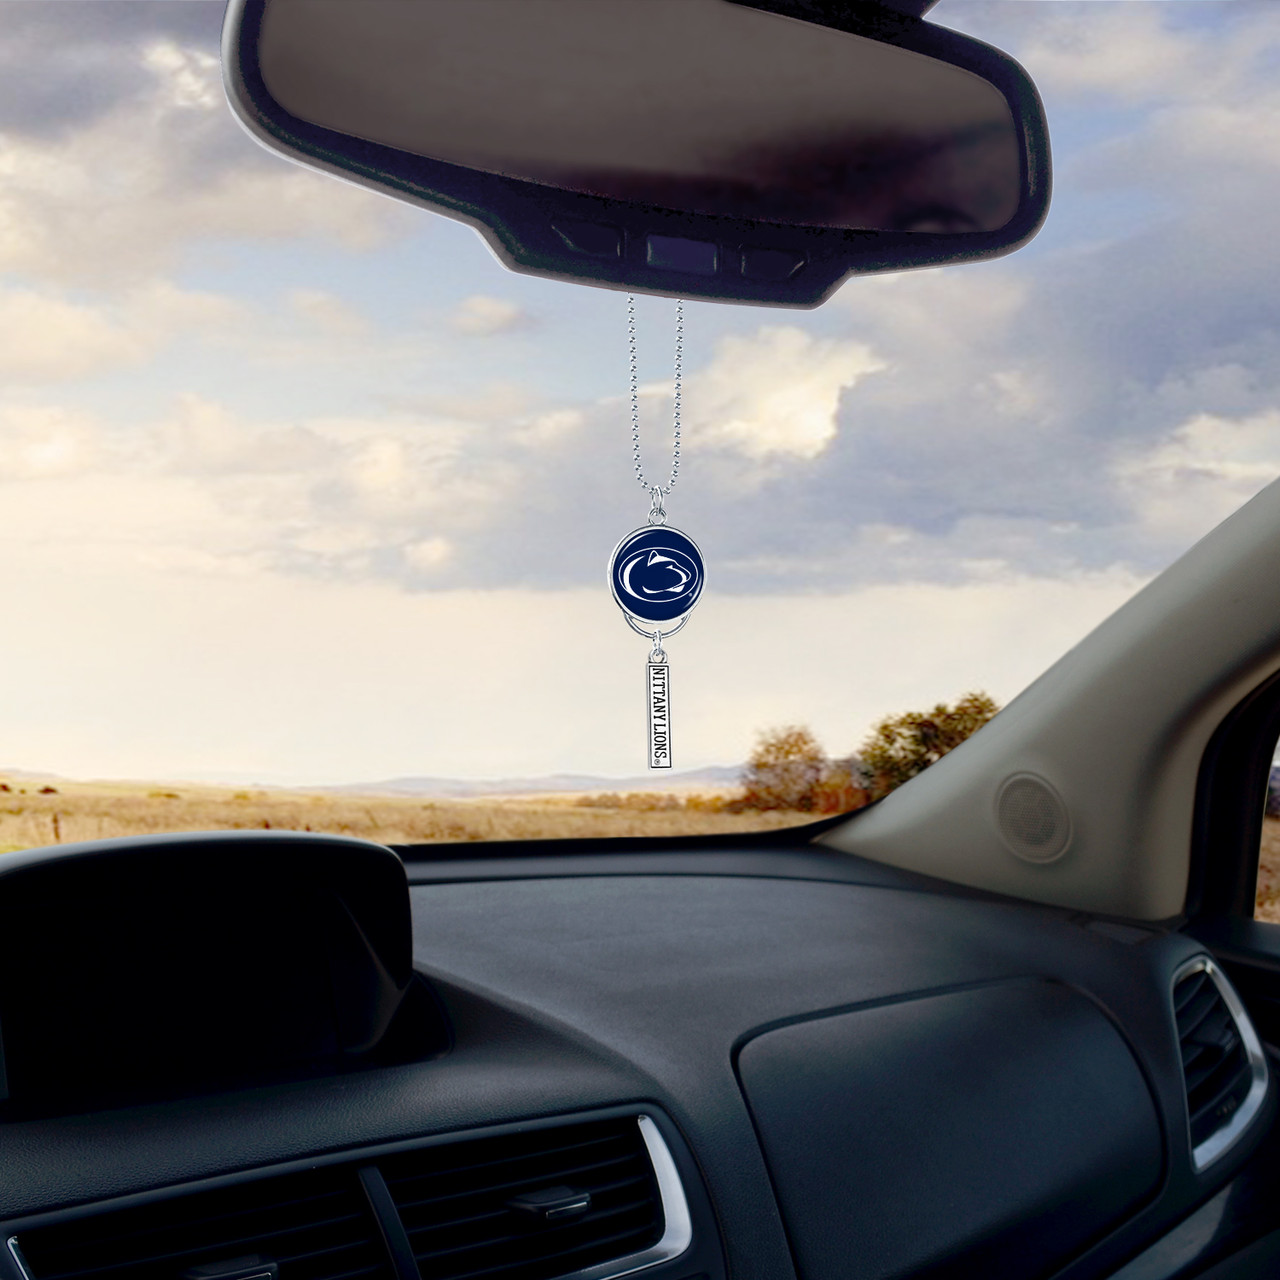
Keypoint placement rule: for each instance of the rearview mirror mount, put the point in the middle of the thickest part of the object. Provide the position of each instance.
(754, 151)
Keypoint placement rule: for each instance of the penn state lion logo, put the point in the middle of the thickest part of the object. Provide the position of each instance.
(668, 572)
(656, 574)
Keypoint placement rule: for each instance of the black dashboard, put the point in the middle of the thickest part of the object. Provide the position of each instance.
(752, 1059)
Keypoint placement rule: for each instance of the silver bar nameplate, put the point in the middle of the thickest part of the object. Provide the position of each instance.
(659, 715)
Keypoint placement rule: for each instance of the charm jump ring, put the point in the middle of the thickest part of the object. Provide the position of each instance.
(657, 512)
(648, 633)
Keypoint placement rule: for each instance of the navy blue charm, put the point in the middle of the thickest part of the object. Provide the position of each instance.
(656, 574)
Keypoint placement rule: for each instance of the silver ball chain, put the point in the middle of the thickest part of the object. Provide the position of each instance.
(656, 491)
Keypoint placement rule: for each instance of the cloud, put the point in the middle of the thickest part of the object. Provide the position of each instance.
(330, 498)
(492, 401)
(328, 314)
(1179, 98)
(1132, 52)
(160, 164)
(203, 439)
(550, 428)
(775, 393)
(1023, 416)
(942, 477)
(41, 441)
(47, 337)
(428, 554)
(481, 316)
(336, 681)
(65, 64)
(1205, 469)
(190, 77)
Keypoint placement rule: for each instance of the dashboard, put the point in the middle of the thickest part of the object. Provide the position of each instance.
(750, 1058)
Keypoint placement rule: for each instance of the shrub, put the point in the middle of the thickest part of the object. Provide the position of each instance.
(902, 746)
(635, 801)
(784, 770)
(841, 789)
(697, 802)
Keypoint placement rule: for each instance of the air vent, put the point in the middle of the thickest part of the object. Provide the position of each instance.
(314, 1225)
(587, 1201)
(1222, 1060)
(466, 1205)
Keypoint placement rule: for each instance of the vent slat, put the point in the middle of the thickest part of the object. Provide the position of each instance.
(1224, 1082)
(1216, 1070)
(1191, 1055)
(1205, 1003)
(1200, 1060)
(149, 1239)
(1187, 989)
(639, 1183)
(1227, 1067)
(480, 1161)
(619, 1246)
(547, 1236)
(273, 1243)
(453, 1201)
(542, 1177)
(314, 1225)
(185, 1257)
(521, 1149)
(1214, 1029)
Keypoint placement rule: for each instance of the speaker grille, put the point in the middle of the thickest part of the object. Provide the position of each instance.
(1032, 818)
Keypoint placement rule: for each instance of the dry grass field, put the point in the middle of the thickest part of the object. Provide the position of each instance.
(33, 812)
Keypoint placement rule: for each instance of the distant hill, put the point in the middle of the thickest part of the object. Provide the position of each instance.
(26, 775)
(714, 776)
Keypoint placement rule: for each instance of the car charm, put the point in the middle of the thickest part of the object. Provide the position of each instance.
(656, 572)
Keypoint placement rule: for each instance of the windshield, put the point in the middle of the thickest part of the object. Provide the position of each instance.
(306, 504)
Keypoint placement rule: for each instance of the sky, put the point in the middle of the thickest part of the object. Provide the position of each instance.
(299, 485)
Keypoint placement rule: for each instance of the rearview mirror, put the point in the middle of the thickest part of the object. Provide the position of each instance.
(706, 148)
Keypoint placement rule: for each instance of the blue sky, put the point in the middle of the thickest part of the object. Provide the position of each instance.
(299, 484)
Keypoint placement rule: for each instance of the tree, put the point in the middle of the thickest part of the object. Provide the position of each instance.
(900, 747)
(789, 770)
(842, 789)
(784, 770)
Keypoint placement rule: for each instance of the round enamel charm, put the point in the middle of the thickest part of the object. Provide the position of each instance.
(656, 574)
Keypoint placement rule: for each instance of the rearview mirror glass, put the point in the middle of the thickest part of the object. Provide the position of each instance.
(772, 155)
